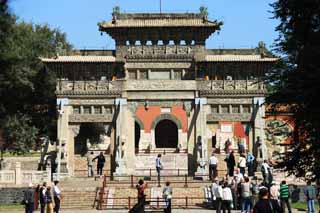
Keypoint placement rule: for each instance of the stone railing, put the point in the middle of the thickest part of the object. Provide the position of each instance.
(19, 176)
(246, 85)
(88, 86)
(66, 87)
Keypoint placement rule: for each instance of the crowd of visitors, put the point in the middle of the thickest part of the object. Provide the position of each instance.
(44, 197)
(240, 193)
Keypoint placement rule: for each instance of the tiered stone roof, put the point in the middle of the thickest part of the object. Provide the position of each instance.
(158, 20)
(80, 58)
(239, 58)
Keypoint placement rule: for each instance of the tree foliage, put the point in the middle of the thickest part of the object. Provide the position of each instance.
(297, 80)
(25, 86)
(18, 129)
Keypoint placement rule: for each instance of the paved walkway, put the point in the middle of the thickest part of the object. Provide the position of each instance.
(126, 211)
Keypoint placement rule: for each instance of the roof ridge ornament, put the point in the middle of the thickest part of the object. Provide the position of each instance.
(115, 13)
(204, 12)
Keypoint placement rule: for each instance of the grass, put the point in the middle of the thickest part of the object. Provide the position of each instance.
(302, 205)
(11, 206)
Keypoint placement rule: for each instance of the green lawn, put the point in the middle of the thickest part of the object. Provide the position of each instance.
(302, 205)
(11, 206)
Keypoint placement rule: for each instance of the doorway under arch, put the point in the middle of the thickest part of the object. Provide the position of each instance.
(136, 135)
(166, 134)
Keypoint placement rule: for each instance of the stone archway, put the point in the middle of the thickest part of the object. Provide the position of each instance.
(166, 134)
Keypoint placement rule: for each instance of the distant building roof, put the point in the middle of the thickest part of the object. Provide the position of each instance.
(79, 58)
(239, 58)
(158, 20)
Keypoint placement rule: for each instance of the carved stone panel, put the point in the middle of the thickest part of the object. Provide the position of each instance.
(229, 100)
(229, 117)
(80, 118)
(217, 85)
(204, 85)
(156, 65)
(161, 85)
(229, 85)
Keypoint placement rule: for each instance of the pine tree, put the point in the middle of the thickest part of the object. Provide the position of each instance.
(297, 80)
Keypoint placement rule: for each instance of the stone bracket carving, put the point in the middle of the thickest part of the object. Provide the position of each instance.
(75, 129)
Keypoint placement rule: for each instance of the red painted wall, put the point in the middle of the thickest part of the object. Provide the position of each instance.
(148, 116)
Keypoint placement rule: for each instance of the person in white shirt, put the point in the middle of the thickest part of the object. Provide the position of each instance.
(242, 164)
(158, 167)
(265, 171)
(238, 176)
(56, 196)
(226, 198)
(213, 163)
(218, 194)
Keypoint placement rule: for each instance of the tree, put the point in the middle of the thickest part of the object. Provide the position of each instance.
(298, 82)
(18, 130)
(26, 87)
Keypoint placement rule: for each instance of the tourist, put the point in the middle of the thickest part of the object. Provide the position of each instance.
(238, 176)
(241, 145)
(226, 198)
(49, 201)
(100, 164)
(28, 199)
(295, 194)
(158, 167)
(167, 195)
(264, 205)
(90, 164)
(284, 196)
(36, 197)
(218, 194)
(234, 191)
(141, 186)
(254, 190)
(250, 162)
(242, 164)
(265, 171)
(310, 193)
(43, 190)
(56, 196)
(245, 195)
(230, 160)
(259, 147)
(213, 164)
(274, 192)
(228, 146)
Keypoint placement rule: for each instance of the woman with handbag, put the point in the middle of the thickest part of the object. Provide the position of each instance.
(49, 201)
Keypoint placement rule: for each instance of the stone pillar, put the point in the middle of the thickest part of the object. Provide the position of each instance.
(120, 134)
(129, 146)
(73, 132)
(201, 137)
(251, 139)
(63, 123)
(18, 174)
(259, 125)
(48, 171)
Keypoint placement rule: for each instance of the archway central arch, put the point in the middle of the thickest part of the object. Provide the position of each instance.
(166, 134)
(166, 131)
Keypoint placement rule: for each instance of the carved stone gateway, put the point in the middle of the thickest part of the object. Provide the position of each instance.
(160, 72)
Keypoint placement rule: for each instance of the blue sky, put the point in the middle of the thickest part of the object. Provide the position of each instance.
(246, 22)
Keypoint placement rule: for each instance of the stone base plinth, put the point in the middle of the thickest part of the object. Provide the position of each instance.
(173, 164)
